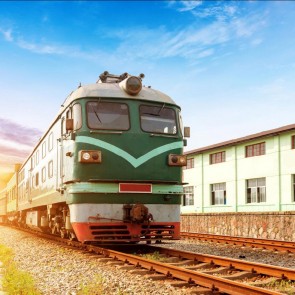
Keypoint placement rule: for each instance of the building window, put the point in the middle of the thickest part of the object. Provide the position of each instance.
(190, 163)
(293, 142)
(188, 197)
(256, 190)
(255, 149)
(217, 158)
(218, 193)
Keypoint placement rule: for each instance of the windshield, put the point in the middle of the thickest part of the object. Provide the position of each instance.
(158, 119)
(107, 115)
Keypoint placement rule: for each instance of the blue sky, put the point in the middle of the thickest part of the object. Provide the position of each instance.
(229, 64)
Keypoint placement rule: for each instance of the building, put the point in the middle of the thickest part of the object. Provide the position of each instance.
(255, 173)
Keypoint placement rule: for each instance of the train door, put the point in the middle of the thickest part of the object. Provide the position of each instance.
(67, 144)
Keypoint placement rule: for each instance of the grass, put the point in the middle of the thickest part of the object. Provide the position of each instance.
(14, 281)
(154, 256)
(285, 286)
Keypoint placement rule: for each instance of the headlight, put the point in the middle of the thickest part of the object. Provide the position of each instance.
(176, 160)
(90, 156)
(132, 85)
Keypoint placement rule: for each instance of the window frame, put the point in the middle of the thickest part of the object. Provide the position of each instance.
(50, 169)
(160, 108)
(258, 192)
(190, 163)
(43, 149)
(43, 174)
(216, 158)
(215, 193)
(50, 141)
(255, 150)
(77, 127)
(188, 198)
(108, 102)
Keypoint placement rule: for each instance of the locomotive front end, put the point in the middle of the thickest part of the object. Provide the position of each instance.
(123, 172)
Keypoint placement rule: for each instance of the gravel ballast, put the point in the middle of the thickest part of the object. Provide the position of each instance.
(59, 270)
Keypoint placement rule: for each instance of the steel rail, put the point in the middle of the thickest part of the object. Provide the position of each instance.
(275, 245)
(210, 281)
(254, 267)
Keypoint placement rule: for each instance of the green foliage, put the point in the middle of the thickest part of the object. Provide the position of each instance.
(154, 256)
(284, 286)
(94, 287)
(14, 281)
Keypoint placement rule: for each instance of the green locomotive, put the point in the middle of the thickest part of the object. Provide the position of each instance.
(109, 168)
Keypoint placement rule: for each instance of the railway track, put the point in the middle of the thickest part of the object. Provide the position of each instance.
(265, 244)
(202, 274)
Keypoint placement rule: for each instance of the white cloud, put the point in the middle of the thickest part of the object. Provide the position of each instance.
(40, 48)
(190, 42)
(189, 5)
(7, 34)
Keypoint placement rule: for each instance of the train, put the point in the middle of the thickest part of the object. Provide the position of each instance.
(108, 168)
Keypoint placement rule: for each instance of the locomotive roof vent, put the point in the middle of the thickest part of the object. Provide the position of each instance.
(131, 84)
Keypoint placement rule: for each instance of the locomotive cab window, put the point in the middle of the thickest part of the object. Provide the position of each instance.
(77, 116)
(107, 115)
(158, 119)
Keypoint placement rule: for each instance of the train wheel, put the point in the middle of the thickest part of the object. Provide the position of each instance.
(63, 234)
(72, 236)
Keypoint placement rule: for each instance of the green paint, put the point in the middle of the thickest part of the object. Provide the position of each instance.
(101, 198)
(113, 188)
(135, 162)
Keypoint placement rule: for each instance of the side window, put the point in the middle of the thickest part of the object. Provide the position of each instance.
(77, 116)
(43, 174)
(50, 142)
(44, 149)
(50, 169)
(37, 157)
(37, 179)
(32, 162)
(67, 116)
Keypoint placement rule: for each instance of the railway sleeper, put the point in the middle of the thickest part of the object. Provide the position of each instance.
(157, 277)
(184, 263)
(200, 266)
(170, 259)
(240, 275)
(264, 282)
(219, 270)
(202, 291)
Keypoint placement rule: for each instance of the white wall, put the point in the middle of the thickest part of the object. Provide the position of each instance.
(277, 166)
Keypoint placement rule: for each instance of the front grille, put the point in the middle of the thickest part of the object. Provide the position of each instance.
(131, 232)
(110, 232)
